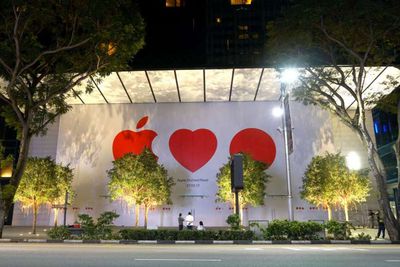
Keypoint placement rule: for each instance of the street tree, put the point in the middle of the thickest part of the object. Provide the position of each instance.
(140, 180)
(328, 182)
(336, 43)
(318, 182)
(64, 176)
(353, 189)
(47, 48)
(43, 182)
(255, 179)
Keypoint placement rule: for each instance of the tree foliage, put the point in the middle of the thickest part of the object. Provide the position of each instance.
(47, 48)
(6, 161)
(254, 183)
(140, 180)
(337, 43)
(328, 182)
(43, 182)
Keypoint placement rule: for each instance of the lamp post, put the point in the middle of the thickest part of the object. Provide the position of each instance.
(288, 76)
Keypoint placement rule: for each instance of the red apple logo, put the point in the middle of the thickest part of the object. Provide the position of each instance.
(129, 141)
(255, 142)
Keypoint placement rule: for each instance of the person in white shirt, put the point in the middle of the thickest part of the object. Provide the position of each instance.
(201, 226)
(189, 221)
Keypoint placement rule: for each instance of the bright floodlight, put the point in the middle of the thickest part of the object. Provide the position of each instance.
(289, 75)
(277, 112)
(353, 161)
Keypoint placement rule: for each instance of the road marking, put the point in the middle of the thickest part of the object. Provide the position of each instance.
(392, 260)
(253, 249)
(324, 249)
(193, 260)
(295, 249)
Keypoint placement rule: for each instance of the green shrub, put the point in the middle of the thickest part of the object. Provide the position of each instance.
(363, 236)
(293, 230)
(339, 230)
(101, 229)
(235, 235)
(59, 233)
(304, 230)
(234, 221)
(276, 230)
(141, 234)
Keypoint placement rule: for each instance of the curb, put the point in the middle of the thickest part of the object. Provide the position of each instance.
(215, 242)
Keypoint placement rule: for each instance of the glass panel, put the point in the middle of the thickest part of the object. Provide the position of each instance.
(112, 89)
(218, 83)
(137, 86)
(270, 86)
(190, 85)
(93, 98)
(245, 84)
(164, 85)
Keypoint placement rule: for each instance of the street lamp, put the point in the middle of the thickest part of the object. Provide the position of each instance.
(287, 78)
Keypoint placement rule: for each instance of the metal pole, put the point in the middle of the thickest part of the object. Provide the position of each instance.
(287, 160)
(65, 208)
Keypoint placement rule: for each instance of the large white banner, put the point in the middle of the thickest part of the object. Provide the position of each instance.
(192, 140)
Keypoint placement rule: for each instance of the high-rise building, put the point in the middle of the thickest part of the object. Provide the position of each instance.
(205, 33)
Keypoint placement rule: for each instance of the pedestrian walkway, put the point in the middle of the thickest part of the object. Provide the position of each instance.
(23, 232)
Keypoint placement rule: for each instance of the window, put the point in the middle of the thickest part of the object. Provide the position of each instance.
(174, 3)
(240, 2)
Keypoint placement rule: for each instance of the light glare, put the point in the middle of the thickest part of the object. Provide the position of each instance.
(289, 76)
(353, 161)
(277, 112)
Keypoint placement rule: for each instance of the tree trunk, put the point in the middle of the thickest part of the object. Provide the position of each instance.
(35, 212)
(346, 211)
(2, 216)
(329, 213)
(7, 201)
(56, 217)
(397, 153)
(146, 215)
(137, 210)
(391, 224)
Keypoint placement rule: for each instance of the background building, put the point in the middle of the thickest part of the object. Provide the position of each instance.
(205, 33)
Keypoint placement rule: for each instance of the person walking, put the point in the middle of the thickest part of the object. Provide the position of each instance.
(189, 221)
(180, 221)
(381, 228)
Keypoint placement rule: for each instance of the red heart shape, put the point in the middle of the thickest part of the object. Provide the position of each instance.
(193, 149)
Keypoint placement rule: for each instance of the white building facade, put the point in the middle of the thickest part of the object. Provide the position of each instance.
(193, 119)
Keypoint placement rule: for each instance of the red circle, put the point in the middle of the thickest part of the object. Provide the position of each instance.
(255, 142)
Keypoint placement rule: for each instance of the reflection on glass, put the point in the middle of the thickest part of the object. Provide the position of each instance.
(174, 3)
(240, 2)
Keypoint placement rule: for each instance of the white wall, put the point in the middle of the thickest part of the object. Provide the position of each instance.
(86, 134)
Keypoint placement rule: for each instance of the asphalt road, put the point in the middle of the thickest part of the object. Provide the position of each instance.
(62, 255)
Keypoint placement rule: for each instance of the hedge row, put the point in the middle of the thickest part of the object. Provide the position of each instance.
(141, 234)
(294, 230)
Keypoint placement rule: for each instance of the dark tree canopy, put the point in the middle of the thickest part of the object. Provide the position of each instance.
(47, 47)
(327, 32)
(339, 44)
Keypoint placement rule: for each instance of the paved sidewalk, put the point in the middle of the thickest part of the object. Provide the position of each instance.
(23, 232)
